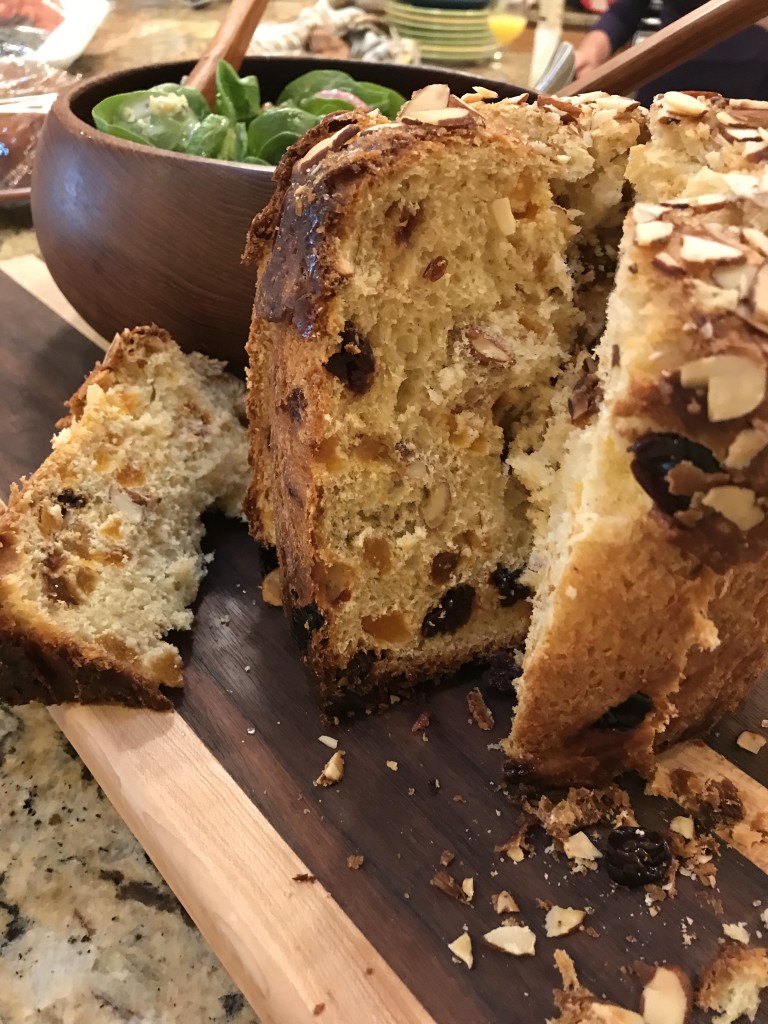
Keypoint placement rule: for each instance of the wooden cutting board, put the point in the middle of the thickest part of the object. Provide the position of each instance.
(220, 794)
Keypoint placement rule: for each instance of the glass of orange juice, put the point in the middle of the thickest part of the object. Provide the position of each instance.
(507, 23)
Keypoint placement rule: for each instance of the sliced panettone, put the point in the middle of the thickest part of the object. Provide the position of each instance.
(651, 509)
(100, 548)
(413, 321)
(732, 985)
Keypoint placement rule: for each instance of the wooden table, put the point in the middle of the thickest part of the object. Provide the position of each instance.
(220, 793)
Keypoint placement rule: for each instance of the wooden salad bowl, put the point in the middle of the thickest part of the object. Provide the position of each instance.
(135, 235)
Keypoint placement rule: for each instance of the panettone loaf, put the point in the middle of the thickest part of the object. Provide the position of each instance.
(441, 452)
(419, 303)
(658, 497)
(100, 548)
(415, 316)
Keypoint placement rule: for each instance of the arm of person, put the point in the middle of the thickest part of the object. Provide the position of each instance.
(614, 28)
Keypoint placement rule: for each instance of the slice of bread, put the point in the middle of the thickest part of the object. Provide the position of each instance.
(654, 503)
(732, 985)
(440, 450)
(100, 548)
(415, 319)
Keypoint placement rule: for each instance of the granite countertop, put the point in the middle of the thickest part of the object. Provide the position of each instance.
(89, 932)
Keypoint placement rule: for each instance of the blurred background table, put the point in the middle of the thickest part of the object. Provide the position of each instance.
(152, 31)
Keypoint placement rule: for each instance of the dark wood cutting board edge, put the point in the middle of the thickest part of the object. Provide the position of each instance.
(248, 700)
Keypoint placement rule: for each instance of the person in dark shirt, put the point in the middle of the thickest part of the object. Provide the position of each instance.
(737, 67)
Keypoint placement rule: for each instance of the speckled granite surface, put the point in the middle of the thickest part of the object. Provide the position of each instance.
(89, 932)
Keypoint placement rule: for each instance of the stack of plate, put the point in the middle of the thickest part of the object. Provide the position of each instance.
(446, 35)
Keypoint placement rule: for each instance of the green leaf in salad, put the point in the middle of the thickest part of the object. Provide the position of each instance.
(159, 119)
(388, 101)
(177, 117)
(277, 123)
(198, 104)
(306, 86)
(237, 98)
(321, 107)
(208, 137)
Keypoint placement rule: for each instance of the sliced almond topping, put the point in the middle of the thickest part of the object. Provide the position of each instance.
(272, 589)
(757, 239)
(436, 505)
(468, 888)
(682, 104)
(668, 264)
(343, 135)
(741, 184)
(313, 155)
(462, 948)
(745, 446)
(431, 97)
(609, 1013)
(737, 932)
(502, 214)
(751, 741)
(748, 104)
(742, 134)
(684, 827)
(580, 847)
(448, 117)
(652, 231)
(734, 278)
(488, 348)
(667, 997)
(644, 212)
(735, 385)
(756, 153)
(504, 903)
(695, 249)
(515, 939)
(563, 920)
(379, 127)
(459, 104)
(329, 741)
(333, 771)
(758, 294)
(479, 94)
(392, 765)
(737, 504)
(711, 201)
(725, 117)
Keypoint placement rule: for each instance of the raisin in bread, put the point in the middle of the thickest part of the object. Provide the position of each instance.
(414, 315)
(100, 548)
(656, 537)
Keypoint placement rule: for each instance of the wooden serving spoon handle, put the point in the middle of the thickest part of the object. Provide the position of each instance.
(230, 43)
(671, 46)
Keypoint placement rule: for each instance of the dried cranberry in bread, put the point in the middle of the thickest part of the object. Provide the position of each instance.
(100, 548)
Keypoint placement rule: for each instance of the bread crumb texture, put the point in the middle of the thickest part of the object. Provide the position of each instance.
(100, 549)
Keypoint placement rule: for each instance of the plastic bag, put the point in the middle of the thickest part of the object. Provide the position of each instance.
(26, 91)
(26, 24)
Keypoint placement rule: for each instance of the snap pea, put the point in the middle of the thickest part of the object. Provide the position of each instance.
(176, 117)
